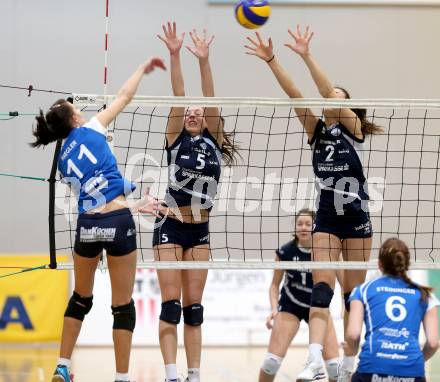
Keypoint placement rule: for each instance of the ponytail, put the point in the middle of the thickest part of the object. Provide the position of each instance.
(394, 261)
(230, 149)
(367, 127)
(56, 124)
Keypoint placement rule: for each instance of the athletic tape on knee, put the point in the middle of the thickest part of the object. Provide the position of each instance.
(322, 295)
(332, 366)
(124, 316)
(193, 314)
(78, 306)
(271, 364)
(171, 312)
(346, 301)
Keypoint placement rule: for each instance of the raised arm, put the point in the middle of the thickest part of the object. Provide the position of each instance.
(265, 52)
(174, 44)
(201, 51)
(301, 46)
(128, 90)
(274, 292)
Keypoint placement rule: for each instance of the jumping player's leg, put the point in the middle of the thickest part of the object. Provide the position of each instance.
(325, 247)
(122, 271)
(170, 283)
(285, 327)
(80, 302)
(331, 351)
(193, 284)
(79, 305)
(357, 249)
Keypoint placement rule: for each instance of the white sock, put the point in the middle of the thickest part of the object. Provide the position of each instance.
(171, 371)
(64, 362)
(315, 351)
(348, 363)
(194, 375)
(122, 377)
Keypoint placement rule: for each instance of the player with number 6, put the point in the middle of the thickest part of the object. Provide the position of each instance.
(393, 307)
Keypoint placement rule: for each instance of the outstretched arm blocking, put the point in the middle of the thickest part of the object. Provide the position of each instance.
(265, 52)
(174, 44)
(201, 51)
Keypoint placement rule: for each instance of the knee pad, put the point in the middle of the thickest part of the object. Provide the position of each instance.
(124, 316)
(78, 306)
(346, 301)
(271, 364)
(332, 366)
(171, 312)
(322, 295)
(193, 314)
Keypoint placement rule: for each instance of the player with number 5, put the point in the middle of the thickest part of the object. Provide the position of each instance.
(195, 145)
(393, 307)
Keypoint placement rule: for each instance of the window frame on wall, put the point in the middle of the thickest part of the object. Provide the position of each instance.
(342, 2)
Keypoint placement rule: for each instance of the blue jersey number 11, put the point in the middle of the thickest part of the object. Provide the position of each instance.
(71, 167)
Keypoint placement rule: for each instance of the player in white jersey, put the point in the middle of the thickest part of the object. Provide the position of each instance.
(392, 307)
(195, 143)
(292, 305)
(342, 222)
(104, 221)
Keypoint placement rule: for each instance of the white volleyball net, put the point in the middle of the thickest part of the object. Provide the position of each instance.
(259, 196)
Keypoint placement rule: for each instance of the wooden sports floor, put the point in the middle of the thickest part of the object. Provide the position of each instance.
(35, 363)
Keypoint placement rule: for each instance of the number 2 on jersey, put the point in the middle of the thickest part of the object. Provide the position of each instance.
(83, 150)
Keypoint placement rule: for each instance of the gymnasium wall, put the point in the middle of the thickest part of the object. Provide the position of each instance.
(374, 51)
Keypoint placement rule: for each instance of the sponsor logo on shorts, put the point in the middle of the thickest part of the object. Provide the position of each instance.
(96, 234)
(390, 378)
(366, 227)
(131, 232)
(204, 238)
(390, 332)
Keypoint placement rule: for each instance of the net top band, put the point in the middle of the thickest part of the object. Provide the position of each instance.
(99, 100)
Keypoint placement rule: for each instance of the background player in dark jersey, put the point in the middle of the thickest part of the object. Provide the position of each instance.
(342, 223)
(195, 144)
(393, 308)
(104, 221)
(293, 304)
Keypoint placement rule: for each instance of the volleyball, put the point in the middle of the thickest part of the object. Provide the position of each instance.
(252, 14)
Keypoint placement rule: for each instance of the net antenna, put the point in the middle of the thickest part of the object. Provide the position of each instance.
(258, 197)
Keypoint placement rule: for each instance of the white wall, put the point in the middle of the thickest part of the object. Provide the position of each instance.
(373, 51)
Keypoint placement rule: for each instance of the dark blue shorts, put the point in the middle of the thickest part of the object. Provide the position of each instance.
(349, 226)
(288, 306)
(369, 377)
(187, 235)
(113, 231)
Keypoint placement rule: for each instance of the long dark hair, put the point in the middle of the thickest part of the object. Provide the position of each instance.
(367, 127)
(394, 260)
(301, 212)
(56, 124)
(230, 148)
